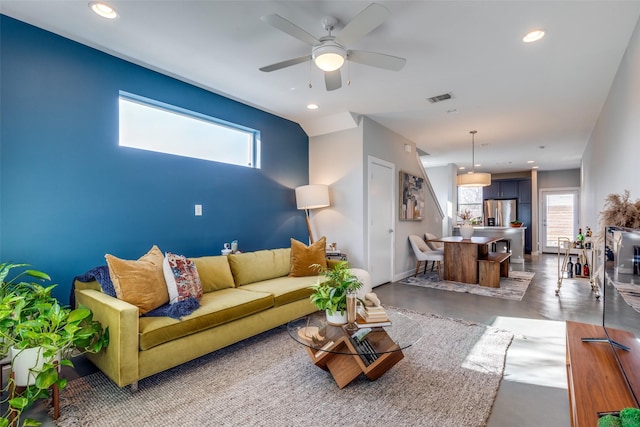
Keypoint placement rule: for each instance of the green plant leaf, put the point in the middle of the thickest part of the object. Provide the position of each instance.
(46, 379)
(19, 403)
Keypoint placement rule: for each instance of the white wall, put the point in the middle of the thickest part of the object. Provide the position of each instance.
(387, 145)
(335, 160)
(339, 160)
(610, 163)
(443, 179)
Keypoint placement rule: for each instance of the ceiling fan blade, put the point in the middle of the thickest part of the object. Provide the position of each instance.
(290, 28)
(379, 60)
(285, 64)
(366, 21)
(333, 80)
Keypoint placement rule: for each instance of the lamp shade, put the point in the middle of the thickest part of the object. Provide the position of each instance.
(474, 180)
(312, 196)
(328, 56)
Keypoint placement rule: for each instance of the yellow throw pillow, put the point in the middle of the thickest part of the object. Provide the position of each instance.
(140, 282)
(303, 256)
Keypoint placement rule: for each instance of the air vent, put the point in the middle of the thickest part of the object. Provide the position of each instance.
(440, 98)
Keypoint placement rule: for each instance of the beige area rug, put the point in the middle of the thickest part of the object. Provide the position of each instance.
(448, 379)
(512, 287)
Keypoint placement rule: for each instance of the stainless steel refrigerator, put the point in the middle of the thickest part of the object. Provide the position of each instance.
(500, 213)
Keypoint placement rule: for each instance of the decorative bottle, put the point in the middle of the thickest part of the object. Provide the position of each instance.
(585, 269)
(578, 267)
(580, 238)
(569, 269)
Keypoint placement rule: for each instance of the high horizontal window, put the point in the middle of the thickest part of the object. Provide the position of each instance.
(155, 126)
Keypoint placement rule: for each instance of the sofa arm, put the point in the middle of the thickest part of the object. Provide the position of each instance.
(119, 361)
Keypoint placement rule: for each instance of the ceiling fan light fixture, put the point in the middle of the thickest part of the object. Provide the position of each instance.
(329, 56)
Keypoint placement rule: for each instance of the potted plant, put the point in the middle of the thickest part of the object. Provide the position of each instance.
(331, 294)
(32, 322)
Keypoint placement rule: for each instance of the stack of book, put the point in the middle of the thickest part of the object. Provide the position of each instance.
(371, 317)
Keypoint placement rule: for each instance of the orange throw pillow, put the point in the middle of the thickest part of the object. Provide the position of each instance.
(140, 282)
(303, 256)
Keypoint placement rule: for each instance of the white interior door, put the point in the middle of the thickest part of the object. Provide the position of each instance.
(381, 220)
(558, 218)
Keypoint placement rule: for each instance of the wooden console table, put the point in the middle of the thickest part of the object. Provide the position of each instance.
(595, 382)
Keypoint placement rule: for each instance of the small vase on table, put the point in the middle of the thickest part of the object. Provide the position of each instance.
(466, 230)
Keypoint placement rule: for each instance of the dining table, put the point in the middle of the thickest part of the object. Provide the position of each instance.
(461, 256)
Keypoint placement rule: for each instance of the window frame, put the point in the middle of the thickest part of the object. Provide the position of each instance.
(253, 135)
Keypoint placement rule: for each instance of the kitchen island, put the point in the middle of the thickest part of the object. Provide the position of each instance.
(515, 234)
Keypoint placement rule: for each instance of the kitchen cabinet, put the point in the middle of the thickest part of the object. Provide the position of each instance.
(524, 191)
(501, 190)
(514, 189)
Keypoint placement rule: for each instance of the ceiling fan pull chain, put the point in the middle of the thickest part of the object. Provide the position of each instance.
(348, 74)
(310, 67)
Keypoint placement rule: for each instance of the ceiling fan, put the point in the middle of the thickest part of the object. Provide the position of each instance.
(330, 52)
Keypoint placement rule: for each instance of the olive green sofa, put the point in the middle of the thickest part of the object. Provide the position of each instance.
(244, 295)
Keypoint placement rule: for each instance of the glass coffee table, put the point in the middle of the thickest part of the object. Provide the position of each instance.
(345, 354)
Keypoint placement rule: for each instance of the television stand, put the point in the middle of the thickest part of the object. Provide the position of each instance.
(596, 385)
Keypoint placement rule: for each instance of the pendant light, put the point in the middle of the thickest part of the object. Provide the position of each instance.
(473, 179)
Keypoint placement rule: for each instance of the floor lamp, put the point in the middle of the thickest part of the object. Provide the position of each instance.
(312, 197)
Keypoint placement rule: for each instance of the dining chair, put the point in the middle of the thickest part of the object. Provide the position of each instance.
(425, 254)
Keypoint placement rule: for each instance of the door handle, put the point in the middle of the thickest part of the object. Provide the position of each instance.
(391, 230)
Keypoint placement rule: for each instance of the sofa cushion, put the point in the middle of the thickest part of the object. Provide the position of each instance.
(286, 289)
(140, 282)
(214, 272)
(215, 309)
(251, 267)
(303, 257)
(182, 278)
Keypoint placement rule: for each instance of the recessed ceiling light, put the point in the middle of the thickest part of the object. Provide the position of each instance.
(533, 36)
(531, 161)
(535, 167)
(461, 168)
(312, 106)
(103, 9)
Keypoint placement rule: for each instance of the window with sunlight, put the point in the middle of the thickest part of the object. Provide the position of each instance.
(151, 125)
(470, 198)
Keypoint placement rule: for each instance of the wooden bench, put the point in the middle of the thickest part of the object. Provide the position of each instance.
(491, 268)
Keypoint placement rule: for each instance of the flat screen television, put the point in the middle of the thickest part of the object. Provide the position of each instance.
(619, 261)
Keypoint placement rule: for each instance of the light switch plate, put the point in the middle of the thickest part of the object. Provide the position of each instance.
(198, 210)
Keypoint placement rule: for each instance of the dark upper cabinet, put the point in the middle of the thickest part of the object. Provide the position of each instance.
(507, 189)
(524, 191)
(492, 191)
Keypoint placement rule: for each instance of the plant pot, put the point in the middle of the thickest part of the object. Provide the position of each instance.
(466, 230)
(23, 362)
(337, 318)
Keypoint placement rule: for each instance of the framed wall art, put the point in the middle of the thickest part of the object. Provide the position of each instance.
(412, 189)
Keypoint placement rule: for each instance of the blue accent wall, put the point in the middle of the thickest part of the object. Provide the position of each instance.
(69, 194)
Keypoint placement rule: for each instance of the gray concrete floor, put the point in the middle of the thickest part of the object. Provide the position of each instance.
(533, 391)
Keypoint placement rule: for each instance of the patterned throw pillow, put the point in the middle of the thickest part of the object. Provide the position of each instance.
(182, 278)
